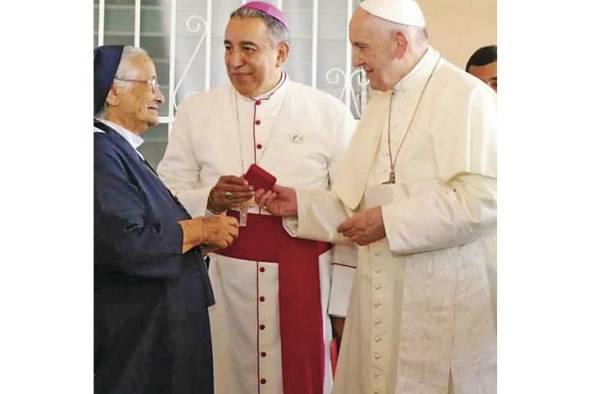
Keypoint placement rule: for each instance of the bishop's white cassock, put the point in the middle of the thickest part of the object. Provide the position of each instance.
(296, 133)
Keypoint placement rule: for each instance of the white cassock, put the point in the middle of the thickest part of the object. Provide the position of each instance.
(296, 133)
(421, 314)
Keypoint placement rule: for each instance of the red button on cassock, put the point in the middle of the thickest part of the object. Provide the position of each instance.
(258, 102)
(262, 326)
(263, 354)
(262, 269)
(262, 299)
(257, 122)
(263, 381)
(259, 146)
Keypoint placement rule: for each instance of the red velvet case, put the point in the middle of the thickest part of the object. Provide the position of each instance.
(258, 178)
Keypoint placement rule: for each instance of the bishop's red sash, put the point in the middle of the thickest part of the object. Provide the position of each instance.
(300, 310)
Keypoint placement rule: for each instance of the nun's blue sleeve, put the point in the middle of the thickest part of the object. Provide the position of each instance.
(136, 228)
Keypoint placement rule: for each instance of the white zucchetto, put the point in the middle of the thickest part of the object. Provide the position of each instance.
(405, 12)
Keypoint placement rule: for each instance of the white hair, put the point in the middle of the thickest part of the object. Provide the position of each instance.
(125, 70)
(416, 35)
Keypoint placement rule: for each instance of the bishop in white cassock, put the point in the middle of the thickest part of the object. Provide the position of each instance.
(270, 325)
(417, 192)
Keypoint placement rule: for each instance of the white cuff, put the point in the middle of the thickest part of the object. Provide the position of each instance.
(291, 226)
(342, 282)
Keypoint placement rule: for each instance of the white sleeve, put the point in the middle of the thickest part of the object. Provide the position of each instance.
(319, 214)
(343, 270)
(342, 136)
(456, 213)
(179, 168)
(344, 256)
(464, 204)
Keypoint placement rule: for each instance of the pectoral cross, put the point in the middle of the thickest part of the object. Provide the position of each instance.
(391, 178)
(243, 209)
(243, 215)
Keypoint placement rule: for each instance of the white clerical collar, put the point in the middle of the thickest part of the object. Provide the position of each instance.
(132, 138)
(278, 90)
(416, 77)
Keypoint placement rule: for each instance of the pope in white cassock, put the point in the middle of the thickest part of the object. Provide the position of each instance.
(270, 324)
(417, 192)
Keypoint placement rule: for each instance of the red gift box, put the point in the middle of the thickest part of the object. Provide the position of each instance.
(258, 178)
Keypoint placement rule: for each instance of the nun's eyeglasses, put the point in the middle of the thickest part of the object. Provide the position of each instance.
(152, 82)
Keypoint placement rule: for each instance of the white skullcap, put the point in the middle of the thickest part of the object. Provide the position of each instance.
(405, 12)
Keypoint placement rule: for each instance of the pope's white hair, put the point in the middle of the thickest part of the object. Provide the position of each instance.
(414, 34)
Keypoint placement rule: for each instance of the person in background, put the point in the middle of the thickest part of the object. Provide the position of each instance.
(151, 288)
(483, 65)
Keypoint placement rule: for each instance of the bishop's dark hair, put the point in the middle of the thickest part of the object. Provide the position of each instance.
(483, 56)
(278, 31)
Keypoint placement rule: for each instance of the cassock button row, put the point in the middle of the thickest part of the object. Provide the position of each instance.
(262, 269)
(262, 326)
(263, 381)
(257, 122)
(259, 146)
(263, 354)
(262, 299)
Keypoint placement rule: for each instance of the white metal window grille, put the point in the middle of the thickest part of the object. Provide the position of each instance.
(185, 40)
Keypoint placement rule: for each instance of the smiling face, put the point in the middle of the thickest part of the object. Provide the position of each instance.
(253, 60)
(376, 49)
(134, 105)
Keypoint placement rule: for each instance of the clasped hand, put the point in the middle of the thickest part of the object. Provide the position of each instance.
(212, 232)
(219, 232)
(364, 227)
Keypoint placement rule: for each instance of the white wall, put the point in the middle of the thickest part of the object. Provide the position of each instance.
(458, 27)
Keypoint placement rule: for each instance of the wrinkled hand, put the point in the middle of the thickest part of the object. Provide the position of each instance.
(219, 231)
(229, 190)
(214, 232)
(281, 201)
(364, 227)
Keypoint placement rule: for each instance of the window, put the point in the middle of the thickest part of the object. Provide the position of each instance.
(185, 40)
